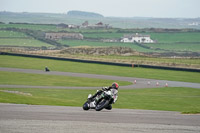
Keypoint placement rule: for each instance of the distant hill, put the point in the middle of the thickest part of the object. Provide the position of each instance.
(84, 14)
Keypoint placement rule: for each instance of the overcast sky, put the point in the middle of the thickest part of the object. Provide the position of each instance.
(115, 8)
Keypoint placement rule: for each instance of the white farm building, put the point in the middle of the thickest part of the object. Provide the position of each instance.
(139, 38)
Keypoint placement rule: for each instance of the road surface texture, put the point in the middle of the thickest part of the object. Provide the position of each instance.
(20, 118)
(140, 82)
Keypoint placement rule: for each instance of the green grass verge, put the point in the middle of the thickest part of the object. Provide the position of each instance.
(191, 112)
(15, 78)
(169, 99)
(67, 66)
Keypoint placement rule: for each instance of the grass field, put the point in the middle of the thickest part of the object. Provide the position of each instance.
(27, 42)
(170, 41)
(174, 37)
(103, 35)
(186, 100)
(16, 78)
(73, 43)
(170, 99)
(67, 66)
(5, 33)
(11, 38)
(174, 42)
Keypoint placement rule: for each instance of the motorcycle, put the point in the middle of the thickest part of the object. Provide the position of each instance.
(103, 99)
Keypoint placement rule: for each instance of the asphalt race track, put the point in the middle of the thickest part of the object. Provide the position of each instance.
(20, 118)
(50, 119)
(140, 82)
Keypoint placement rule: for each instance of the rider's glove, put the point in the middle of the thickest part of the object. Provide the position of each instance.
(99, 92)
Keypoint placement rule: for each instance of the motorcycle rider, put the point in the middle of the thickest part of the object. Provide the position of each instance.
(47, 69)
(114, 91)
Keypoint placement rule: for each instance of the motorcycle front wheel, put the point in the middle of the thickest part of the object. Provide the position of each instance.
(86, 106)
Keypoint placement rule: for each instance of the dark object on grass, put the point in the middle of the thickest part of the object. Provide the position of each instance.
(47, 69)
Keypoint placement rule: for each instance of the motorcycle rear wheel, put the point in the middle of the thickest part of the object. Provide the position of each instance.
(104, 103)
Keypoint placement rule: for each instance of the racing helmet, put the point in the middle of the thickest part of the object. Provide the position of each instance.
(115, 85)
